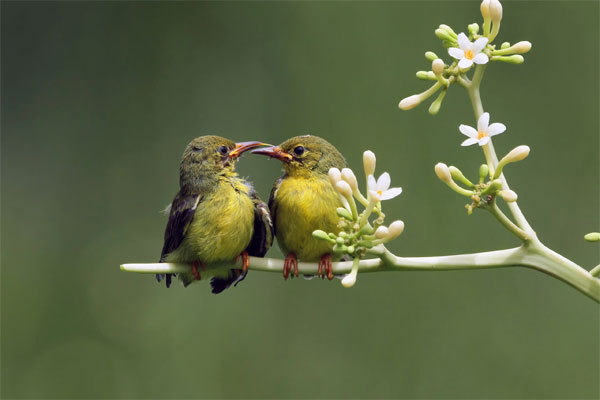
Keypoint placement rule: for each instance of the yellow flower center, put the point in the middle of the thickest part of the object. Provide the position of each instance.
(469, 54)
(481, 135)
(379, 192)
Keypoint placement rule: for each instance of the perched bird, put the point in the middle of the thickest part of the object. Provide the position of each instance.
(216, 216)
(304, 200)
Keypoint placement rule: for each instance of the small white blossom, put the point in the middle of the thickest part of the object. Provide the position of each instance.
(483, 132)
(381, 187)
(469, 53)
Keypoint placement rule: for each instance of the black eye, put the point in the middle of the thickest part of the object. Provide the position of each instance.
(196, 148)
(223, 150)
(299, 150)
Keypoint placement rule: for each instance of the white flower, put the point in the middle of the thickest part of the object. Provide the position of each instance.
(483, 132)
(381, 188)
(469, 53)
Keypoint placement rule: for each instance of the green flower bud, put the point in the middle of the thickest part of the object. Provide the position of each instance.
(339, 241)
(458, 175)
(505, 45)
(365, 230)
(493, 187)
(350, 249)
(426, 75)
(592, 237)
(443, 35)
(430, 56)
(514, 59)
(342, 212)
(365, 243)
(319, 234)
(473, 29)
(449, 30)
(434, 108)
(483, 172)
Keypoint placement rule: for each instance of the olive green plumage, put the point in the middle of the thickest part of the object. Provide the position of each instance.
(216, 215)
(303, 199)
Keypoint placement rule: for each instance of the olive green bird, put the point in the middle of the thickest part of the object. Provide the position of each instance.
(304, 200)
(216, 216)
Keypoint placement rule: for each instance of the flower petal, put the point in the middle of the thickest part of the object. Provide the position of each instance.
(496, 128)
(467, 130)
(383, 183)
(483, 122)
(456, 53)
(465, 63)
(479, 44)
(371, 183)
(375, 198)
(481, 59)
(463, 41)
(390, 194)
(484, 140)
(469, 142)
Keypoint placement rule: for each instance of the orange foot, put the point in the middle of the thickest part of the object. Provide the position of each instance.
(245, 261)
(325, 267)
(290, 261)
(195, 271)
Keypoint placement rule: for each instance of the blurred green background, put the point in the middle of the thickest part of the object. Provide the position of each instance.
(100, 99)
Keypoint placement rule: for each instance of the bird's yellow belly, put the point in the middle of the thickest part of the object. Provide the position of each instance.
(304, 205)
(221, 228)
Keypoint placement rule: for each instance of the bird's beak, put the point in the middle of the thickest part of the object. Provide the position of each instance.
(274, 152)
(241, 147)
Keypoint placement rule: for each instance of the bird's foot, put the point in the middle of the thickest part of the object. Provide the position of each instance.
(325, 267)
(290, 262)
(245, 261)
(195, 271)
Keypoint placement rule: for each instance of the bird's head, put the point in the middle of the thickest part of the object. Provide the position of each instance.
(305, 155)
(208, 157)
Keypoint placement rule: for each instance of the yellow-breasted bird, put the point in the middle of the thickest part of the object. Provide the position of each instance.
(304, 200)
(216, 216)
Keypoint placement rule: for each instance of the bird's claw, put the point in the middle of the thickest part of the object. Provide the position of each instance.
(325, 267)
(290, 262)
(195, 271)
(245, 261)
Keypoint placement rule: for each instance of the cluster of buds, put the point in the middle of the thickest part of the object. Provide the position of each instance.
(465, 50)
(360, 232)
(489, 187)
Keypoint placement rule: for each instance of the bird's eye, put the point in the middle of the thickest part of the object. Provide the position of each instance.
(299, 150)
(223, 150)
(196, 148)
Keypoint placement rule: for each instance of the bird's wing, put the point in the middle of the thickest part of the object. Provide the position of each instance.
(262, 238)
(180, 216)
(273, 203)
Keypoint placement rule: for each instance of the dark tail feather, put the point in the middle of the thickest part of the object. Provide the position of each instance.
(220, 284)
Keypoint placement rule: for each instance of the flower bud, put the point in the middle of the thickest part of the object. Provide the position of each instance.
(483, 172)
(515, 59)
(410, 102)
(522, 47)
(458, 175)
(369, 162)
(517, 154)
(435, 106)
(505, 45)
(334, 176)
(493, 187)
(443, 35)
(382, 232)
(473, 29)
(343, 188)
(342, 212)
(495, 11)
(319, 234)
(592, 237)
(448, 30)
(426, 75)
(430, 56)
(349, 280)
(395, 229)
(485, 10)
(349, 177)
(508, 195)
(443, 172)
(437, 66)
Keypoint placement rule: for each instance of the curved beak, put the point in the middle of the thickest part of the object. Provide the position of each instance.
(241, 147)
(275, 152)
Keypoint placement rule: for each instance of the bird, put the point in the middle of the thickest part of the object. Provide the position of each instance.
(216, 216)
(303, 200)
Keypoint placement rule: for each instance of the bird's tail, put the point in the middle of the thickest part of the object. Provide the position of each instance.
(220, 284)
